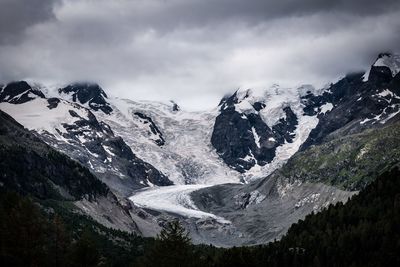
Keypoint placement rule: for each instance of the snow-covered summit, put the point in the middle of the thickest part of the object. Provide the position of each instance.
(258, 130)
(46, 115)
(19, 92)
(391, 61)
(75, 130)
(388, 60)
(269, 102)
(89, 94)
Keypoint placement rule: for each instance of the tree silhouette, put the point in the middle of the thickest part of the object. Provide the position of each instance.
(85, 252)
(60, 242)
(172, 247)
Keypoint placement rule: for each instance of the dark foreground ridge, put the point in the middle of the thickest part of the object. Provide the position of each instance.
(363, 232)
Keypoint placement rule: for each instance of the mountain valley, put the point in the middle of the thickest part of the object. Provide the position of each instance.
(239, 174)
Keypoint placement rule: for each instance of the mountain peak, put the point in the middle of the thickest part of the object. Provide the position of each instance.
(391, 61)
(175, 106)
(386, 66)
(19, 92)
(88, 93)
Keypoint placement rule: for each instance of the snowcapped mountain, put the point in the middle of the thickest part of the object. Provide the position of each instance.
(249, 135)
(357, 104)
(384, 62)
(90, 95)
(243, 145)
(256, 132)
(19, 92)
(355, 138)
(183, 146)
(74, 129)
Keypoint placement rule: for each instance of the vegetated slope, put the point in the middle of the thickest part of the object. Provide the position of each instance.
(45, 233)
(31, 167)
(349, 162)
(363, 232)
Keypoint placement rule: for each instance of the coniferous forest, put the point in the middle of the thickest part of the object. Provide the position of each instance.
(363, 232)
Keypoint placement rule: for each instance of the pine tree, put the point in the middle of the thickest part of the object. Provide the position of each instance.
(22, 232)
(85, 252)
(172, 247)
(60, 242)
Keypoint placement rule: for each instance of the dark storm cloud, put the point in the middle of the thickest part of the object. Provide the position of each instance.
(192, 50)
(17, 15)
(169, 14)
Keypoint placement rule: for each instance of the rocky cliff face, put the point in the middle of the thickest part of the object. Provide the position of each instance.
(357, 102)
(19, 93)
(255, 132)
(90, 94)
(242, 138)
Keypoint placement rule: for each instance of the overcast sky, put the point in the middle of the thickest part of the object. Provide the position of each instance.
(192, 51)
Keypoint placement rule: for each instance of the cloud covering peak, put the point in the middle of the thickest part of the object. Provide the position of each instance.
(193, 51)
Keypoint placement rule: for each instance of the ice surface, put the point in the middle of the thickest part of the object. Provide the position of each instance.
(187, 157)
(174, 199)
(35, 115)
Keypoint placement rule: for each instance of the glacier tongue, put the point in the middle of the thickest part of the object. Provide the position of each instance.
(186, 157)
(173, 199)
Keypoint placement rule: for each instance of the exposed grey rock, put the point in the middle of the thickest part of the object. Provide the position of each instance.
(357, 104)
(19, 92)
(90, 93)
(238, 136)
(262, 211)
(153, 129)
